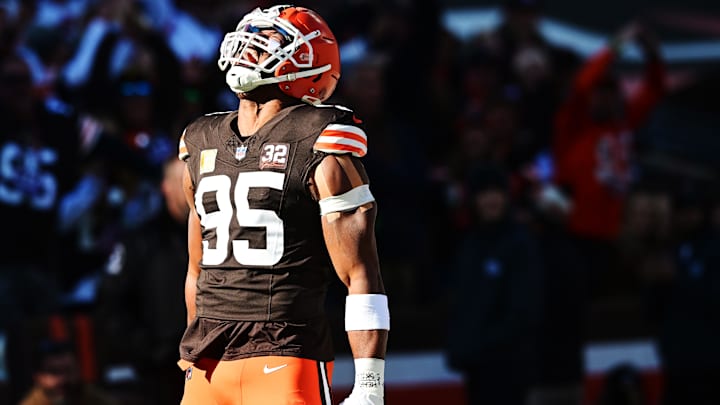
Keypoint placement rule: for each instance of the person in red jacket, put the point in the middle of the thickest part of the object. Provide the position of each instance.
(593, 140)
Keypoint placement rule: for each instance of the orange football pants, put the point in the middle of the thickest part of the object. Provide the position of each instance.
(266, 380)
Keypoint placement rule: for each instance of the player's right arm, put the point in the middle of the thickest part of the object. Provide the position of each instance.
(348, 220)
(194, 246)
(347, 212)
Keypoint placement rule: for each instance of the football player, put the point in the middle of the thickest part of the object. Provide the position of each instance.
(278, 199)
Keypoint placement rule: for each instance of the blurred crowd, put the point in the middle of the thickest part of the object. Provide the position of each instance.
(516, 222)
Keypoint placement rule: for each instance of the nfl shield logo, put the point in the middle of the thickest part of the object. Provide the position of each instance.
(240, 152)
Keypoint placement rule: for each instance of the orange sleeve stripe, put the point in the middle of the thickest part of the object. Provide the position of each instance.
(330, 147)
(344, 134)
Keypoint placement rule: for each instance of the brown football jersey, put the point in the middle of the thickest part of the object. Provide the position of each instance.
(264, 257)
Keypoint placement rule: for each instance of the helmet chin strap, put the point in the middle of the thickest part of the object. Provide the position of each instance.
(242, 80)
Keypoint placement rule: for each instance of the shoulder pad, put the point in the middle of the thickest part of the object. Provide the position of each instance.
(341, 139)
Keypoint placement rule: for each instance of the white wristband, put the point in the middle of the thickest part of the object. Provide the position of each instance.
(369, 377)
(366, 312)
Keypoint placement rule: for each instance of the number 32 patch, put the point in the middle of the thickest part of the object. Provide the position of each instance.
(274, 156)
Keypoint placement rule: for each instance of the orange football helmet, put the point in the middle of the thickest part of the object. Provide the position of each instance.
(305, 65)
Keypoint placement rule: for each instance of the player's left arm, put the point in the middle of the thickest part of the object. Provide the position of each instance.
(194, 247)
(348, 212)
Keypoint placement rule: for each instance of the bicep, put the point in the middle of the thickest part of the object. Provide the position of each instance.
(336, 175)
(349, 234)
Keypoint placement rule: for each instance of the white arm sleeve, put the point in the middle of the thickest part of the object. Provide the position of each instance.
(348, 201)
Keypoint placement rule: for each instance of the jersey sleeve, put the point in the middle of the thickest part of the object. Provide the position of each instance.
(191, 140)
(189, 147)
(343, 136)
(183, 153)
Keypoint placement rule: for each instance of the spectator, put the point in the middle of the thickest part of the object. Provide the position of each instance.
(622, 386)
(518, 29)
(481, 79)
(38, 149)
(119, 38)
(495, 305)
(409, 34)
(136, 122)
(14, 26)
(140, 307)
(593, 145)
(565, 306)
(124, 149)
(530, 68)
(646, 250)
(57, 379)
(691, 324)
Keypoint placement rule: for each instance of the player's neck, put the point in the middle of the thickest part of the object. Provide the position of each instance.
(253, 115)
(259, 106)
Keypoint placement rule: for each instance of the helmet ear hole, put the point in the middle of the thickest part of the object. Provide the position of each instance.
(284, 68)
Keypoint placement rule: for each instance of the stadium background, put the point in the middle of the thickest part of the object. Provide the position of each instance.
(425, 81)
